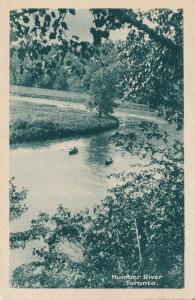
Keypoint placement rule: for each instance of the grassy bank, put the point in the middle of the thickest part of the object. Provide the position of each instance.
(30, 122)
(49, 94)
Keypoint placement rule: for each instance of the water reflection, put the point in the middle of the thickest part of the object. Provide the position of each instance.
(98, 149)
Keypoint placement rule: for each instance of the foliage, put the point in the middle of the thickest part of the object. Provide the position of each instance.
(154, 70)
(36, 23)
(111, 19)
(57, 74)
(152, 56)
(103, 89)
(154, 200)
(54, 230)
(31, 122)
(52, 75)
(16, 198)
(35, 31)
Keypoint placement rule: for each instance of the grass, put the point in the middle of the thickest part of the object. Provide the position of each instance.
(31, 122)
(49, 94)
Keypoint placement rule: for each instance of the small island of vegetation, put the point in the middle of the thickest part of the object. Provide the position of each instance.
(32, 122)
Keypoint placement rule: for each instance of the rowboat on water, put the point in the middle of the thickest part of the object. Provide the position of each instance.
(108, 161)
(74, 150)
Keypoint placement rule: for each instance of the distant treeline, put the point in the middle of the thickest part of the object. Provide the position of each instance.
(57, 75)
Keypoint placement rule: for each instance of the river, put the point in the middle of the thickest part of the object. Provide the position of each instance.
(53, 177)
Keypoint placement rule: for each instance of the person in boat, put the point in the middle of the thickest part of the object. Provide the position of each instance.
(109, 161)
(73, 150)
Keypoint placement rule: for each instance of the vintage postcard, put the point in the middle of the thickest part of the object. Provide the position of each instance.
(97, 150)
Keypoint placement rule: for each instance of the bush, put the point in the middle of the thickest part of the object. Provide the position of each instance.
(16, 198)
(46, 82)
(60, 80)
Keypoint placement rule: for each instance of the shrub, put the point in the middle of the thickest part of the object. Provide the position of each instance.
(16, 198)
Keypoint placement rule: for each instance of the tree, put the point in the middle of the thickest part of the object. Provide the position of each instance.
(106, 56)
(154, 68)
(33, 30)
(152, 55)
(109, 19)
(104, 91)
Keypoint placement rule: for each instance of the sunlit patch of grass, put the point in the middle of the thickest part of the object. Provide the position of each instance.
(31, 122)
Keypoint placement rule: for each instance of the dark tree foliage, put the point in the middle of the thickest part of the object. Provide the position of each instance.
(153, 69)
(16, 198)
(32, 33)
(62, 75)
(152, 55)
(117, 18)
(31, 29)
(104, 90)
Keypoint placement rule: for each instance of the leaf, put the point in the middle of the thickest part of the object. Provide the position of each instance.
(21, 53)
(37, 21)
(105, 52)
(62, 10)
(105, 34)
(26, 19)
(52, 36)
(53, 14)
(42, 12)
(46, 50)
(72, 11)
(64, 25)
(99, 22)
(75, 37)
(47, 18)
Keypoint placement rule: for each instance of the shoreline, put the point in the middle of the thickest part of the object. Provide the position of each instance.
(30, 122)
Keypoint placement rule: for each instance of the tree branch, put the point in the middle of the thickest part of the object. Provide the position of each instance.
(116, 18)
(131, 18)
